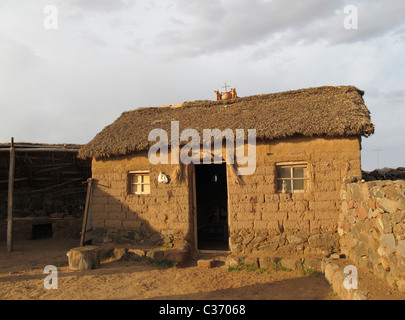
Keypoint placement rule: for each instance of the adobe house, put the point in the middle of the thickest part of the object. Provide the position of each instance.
(307, 142)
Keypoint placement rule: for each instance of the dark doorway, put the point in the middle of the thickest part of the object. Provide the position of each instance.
(212, 207)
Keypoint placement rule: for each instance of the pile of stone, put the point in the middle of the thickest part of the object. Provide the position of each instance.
(176, 256)
(269, 263)
(384, 174)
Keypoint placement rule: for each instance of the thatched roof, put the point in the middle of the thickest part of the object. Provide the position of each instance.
(323, 111)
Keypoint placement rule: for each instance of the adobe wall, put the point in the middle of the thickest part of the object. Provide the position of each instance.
(162, 217)
(264, 222)
(372, 228)
(261, 221)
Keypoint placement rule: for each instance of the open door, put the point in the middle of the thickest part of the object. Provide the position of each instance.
(212, 207)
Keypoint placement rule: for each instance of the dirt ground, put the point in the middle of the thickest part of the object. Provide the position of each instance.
(22, 277)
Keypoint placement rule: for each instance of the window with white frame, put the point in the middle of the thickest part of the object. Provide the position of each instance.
(292, 177)
(139, 182)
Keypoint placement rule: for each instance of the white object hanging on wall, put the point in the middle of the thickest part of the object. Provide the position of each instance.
(162, 178)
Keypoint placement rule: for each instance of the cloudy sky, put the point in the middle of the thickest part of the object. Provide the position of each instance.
(69, 68)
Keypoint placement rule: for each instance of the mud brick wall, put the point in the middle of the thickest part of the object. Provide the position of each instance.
(265, 222)
(161, 217)
(372, 227)
(261, 220)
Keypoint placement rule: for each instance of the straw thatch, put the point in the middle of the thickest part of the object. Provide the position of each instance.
(323, 111)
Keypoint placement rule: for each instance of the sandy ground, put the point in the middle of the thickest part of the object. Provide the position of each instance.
(22, 277)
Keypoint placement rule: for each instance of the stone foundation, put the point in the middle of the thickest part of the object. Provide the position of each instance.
(284, 244)
(143, 238)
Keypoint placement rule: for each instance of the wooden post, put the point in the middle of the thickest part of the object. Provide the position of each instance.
(86, 210)
(10, 198)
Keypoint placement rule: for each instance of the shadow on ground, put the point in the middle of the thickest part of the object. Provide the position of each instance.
(305, 288)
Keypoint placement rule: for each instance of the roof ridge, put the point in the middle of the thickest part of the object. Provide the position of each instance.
(261, 96)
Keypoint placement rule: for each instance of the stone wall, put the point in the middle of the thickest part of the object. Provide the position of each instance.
(384, 174)
(23, 228)
(261, 220)
(67, 201)
(372, 227)
(65, 204)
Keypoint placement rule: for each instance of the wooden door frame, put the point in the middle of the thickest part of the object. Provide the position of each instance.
(194, 211)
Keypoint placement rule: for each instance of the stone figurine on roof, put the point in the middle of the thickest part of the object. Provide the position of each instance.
(226, 95)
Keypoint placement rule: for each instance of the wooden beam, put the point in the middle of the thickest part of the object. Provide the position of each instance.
(53, 168)
(86, 210)
(10, 198)
(53, 186)
(46, 150)
(41, 150)
(41, 145)
(15, 180)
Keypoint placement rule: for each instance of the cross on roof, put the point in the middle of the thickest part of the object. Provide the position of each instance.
(226, 87)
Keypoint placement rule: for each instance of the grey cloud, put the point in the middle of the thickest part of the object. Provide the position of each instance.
(229, 25)
(375, 19)
(196, 28)
(15, 54)
(102, 5)
(390, 97)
